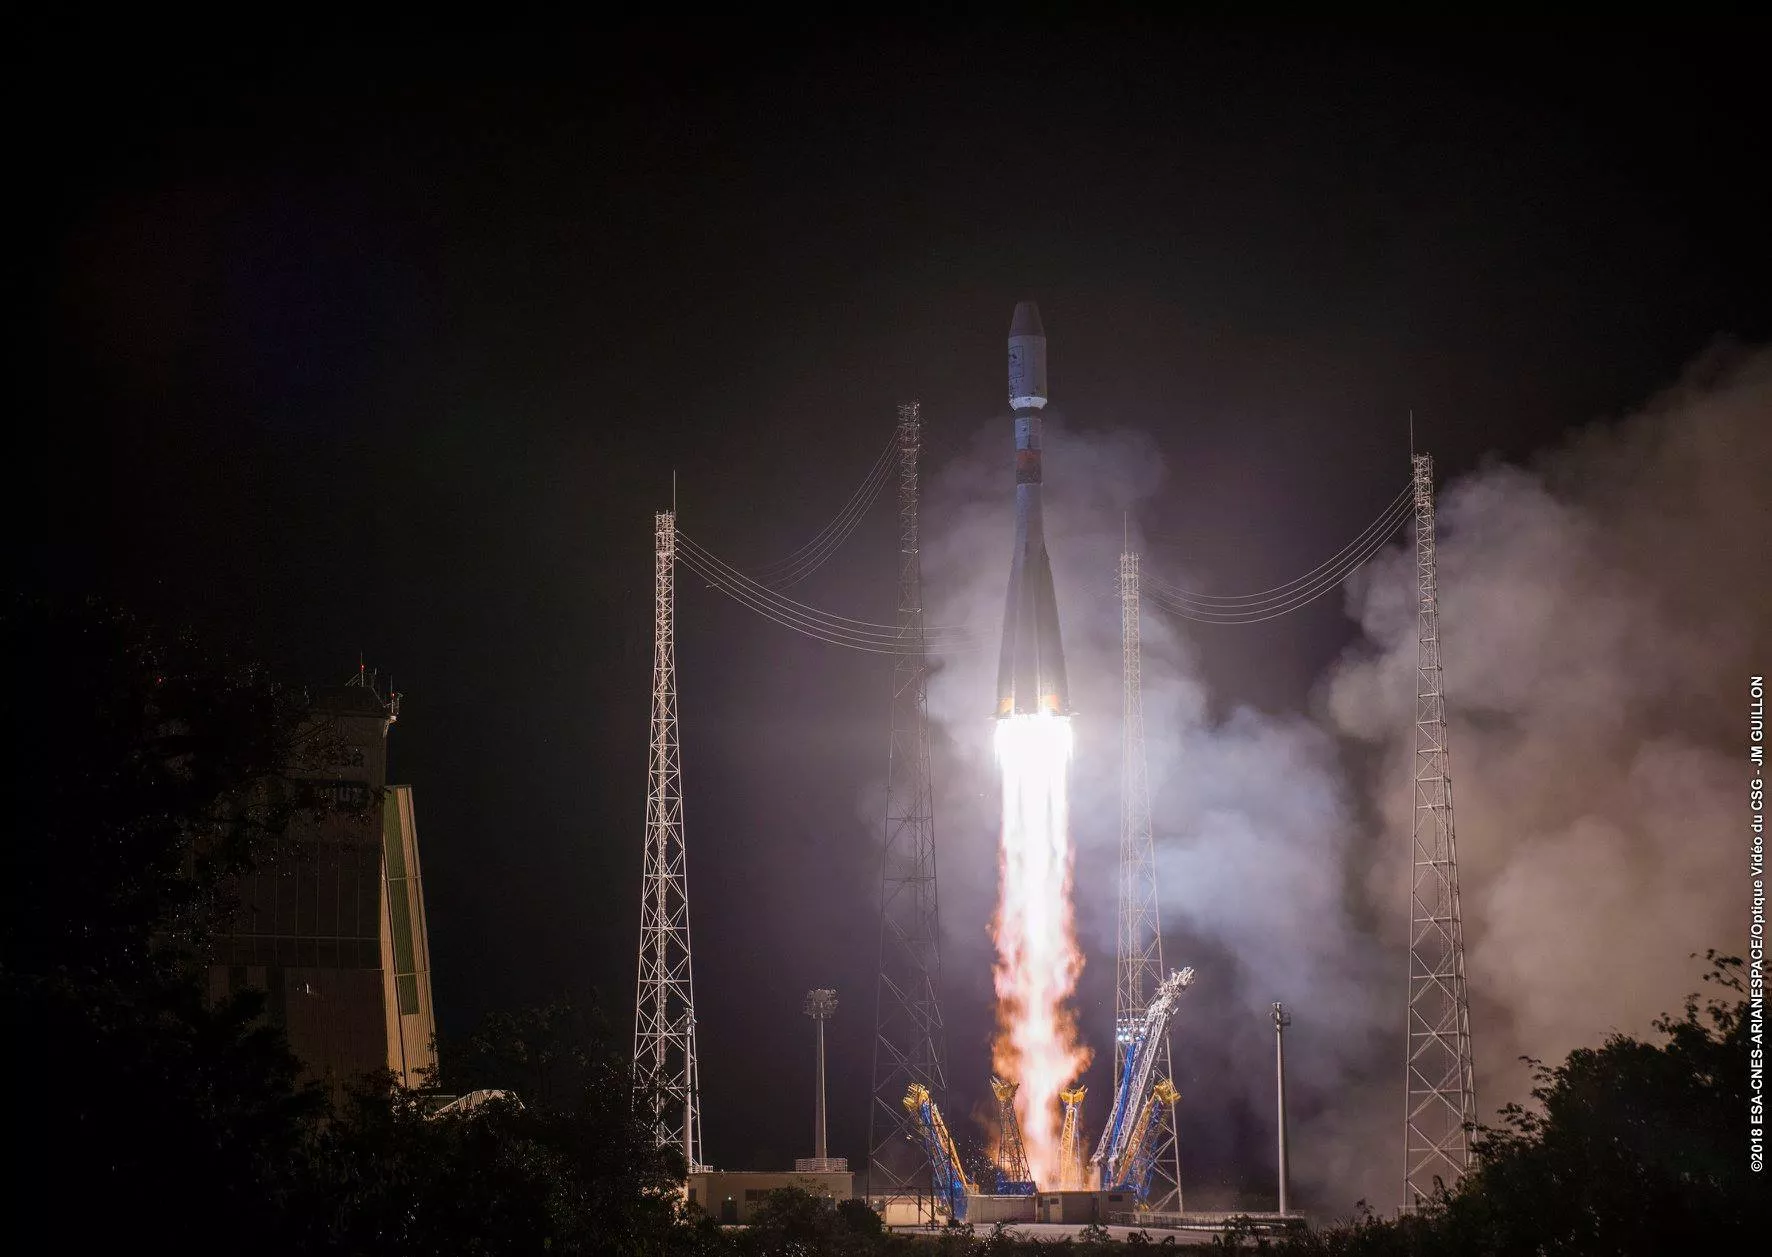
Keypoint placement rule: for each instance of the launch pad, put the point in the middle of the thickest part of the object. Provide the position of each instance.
(1038, 957)
(1037, 1054)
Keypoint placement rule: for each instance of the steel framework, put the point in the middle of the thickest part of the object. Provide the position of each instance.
(1013, 1176)
(664, 997)
(910, 1047)
(1072, 1164)
(1440, 1105)
(1139, 941)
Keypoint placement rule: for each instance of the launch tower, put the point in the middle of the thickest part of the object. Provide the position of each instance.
(1139, 940)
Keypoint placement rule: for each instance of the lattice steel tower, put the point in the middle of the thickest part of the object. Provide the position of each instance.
(1440, 1102)
(909, 1041)
(664, 996)
(1138, 947)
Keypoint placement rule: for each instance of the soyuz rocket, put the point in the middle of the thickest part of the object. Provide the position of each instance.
(1030, 671)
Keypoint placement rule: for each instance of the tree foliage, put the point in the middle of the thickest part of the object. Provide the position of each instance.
(145, 775)
(148, 773)
(1629, 1148)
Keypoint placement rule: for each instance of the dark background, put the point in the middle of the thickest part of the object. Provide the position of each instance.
(393, 345)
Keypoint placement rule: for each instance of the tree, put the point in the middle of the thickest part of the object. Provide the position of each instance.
(146, 772)
(567, 1163)
(857, 1217)
(1629, 1148)
(549, 1054)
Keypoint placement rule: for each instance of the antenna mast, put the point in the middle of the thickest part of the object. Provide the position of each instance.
(664, 996)
(1440, 1100)
(909, 1041)
(1139, 941)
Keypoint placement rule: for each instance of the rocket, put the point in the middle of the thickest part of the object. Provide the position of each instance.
(1030, 671)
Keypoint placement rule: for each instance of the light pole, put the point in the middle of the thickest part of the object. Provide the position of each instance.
(1282, 1019)
(820, 1004)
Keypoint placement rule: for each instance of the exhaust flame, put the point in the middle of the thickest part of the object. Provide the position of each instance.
(1037, 958)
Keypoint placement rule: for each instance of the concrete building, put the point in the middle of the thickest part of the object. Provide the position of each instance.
(331, 921)
(990, 1210)
(1085, 1206)
(733, 1195)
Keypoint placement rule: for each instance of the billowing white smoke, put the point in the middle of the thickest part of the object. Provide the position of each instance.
(1600, 615)
(1602, 610)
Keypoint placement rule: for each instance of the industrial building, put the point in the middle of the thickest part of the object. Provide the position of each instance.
(733, 1195)
(330, 921)
(1086, 1206)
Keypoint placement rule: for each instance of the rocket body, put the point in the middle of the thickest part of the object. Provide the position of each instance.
(1030, 670)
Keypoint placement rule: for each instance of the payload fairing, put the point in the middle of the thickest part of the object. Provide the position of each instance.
(1030, 671)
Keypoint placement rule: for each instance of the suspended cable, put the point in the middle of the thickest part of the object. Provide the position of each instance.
(822, 631)
(1385, 524)
(812, 621)
(809, 557)
(813, 631)
(1302, 598)
(1378, 537)
(796, 567)
(757, 598)
(1297, 598)
(726, 572)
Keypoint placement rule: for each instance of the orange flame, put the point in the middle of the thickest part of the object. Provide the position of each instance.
(1038, 962)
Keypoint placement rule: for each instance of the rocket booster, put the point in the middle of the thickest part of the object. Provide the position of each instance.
(1030, 671)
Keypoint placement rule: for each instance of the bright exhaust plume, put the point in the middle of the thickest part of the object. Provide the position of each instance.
(1038, 962)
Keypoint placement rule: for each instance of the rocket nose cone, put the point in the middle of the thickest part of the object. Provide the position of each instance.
(1026, 321)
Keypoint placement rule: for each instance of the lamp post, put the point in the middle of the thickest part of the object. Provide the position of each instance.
(820, 1004)
(1282, 1019)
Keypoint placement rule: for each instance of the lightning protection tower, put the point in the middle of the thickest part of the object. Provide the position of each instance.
(1139, 942)
(1440, 1102)
(664, 997)
(909, 1041)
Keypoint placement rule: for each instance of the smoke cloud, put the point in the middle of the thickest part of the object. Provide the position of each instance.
(1601, 617)
(1598, 632)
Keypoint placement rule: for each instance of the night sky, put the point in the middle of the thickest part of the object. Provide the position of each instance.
(394, 349)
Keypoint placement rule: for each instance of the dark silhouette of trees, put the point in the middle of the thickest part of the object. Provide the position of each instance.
(1629, 1148)
(147, 774)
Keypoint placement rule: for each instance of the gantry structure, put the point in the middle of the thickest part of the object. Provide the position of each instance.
(1138, 947)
